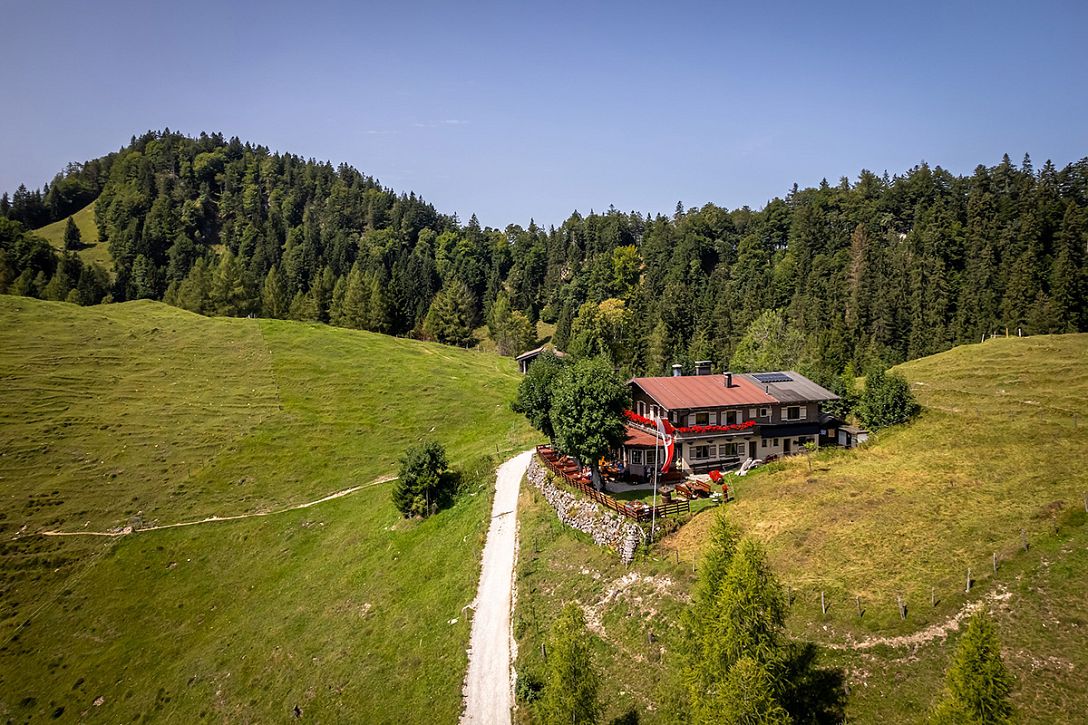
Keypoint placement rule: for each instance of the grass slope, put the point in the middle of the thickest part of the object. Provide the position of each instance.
(140, 414)
(93, 251)
(996, 450)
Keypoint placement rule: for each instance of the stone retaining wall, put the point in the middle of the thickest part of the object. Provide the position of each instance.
(605, 527)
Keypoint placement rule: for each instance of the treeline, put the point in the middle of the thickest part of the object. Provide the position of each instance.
(31, 268)
(71, 190)
(876, 271)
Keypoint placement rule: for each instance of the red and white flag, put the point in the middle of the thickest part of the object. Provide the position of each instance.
(665, 430)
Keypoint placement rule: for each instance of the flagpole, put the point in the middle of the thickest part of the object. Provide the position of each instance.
(657, 463)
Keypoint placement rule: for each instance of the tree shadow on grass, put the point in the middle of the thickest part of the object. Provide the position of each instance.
(814, 694)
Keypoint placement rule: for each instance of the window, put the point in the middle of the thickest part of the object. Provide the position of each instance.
(764, 412)
(793, 412)
(776, 442)
(700, 452)
(751, 412)
(636, 457)
(702, 419)
(731, 417)
(763, 443)
(641, 408)
(654, 412)
(714, 451)
(651, 457)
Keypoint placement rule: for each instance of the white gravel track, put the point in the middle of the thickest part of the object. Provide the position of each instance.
(488, 688)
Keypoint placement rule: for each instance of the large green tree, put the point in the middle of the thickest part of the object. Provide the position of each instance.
(588, 404)
(977, 685)
(572, 681)
(423, 482)
(537, 390)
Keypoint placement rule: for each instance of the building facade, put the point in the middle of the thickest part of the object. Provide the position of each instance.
(721, 421)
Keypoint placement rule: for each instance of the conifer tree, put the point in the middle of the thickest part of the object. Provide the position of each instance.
(977, 685)
(195, 291)
(572, 681)
(303, 307)
(450, 318)
(273, 296)
(336, 304)
(229, 295)
(73, 240)
(353, 308)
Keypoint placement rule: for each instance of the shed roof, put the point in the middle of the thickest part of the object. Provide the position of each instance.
(640, 439)
(702, 391)
(537, 351)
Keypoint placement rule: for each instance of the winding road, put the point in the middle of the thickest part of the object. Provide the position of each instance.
(488, 689)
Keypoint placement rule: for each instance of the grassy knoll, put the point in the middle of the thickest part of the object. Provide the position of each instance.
(996, 450)
(140, 414)
(93, 251)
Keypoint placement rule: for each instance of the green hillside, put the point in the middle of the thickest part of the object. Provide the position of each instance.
(93, 251)
(140, 414)
(1001, 446)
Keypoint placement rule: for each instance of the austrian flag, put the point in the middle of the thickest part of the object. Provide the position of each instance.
(665, 430)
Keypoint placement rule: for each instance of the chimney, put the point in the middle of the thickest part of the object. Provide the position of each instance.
(702, 367)
(728, 379)
(677, 370)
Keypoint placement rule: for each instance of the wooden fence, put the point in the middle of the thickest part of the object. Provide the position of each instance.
(630, 510)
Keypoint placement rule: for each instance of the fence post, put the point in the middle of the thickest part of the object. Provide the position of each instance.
(857, 601)
(902, 611)
(1024, 539)
(933, 596)
(823, 604)
(968, 580)
(995, 562)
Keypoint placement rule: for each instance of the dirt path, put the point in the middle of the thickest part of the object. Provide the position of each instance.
(924, 636)
(488, 688)
(215, 519)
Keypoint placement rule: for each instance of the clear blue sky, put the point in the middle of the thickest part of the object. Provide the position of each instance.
(515, 110)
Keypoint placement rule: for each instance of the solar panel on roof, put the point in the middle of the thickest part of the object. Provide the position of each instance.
(772, 377)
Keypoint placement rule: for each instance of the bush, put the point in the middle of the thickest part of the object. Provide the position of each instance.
(887, 400)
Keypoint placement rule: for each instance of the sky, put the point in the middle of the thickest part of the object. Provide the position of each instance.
(531, 110)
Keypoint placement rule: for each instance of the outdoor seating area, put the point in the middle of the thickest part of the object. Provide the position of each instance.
(579, 477)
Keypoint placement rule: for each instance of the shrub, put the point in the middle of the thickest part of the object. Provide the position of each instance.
(887, 400)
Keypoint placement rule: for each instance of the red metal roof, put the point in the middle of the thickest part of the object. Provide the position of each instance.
(640, 438)
(703, 391)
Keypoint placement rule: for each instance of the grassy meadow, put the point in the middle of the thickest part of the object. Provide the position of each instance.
(139, 414)
(996, 450)
(93, 250)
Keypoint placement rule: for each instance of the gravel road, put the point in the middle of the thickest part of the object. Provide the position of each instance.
(488, 688)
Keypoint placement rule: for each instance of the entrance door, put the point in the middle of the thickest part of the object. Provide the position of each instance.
(785, 446)
(751, 449)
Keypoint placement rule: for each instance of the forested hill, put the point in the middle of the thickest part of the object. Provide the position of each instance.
(881, 269)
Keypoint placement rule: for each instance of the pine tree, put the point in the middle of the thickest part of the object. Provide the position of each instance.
(73, 240)
(977, 685)
(745, 696)
(303, 307)
(450, 318)
(273, 296)
(353, 307)
(336, 305)
(23, 285)
(420, 486)
(229, 295)
(572, 681)
(195, 291)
